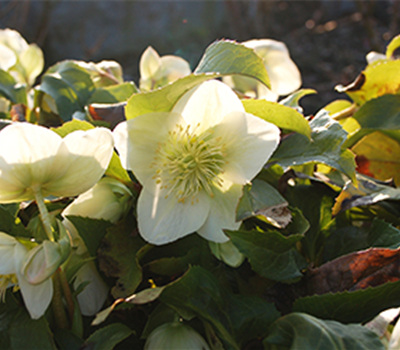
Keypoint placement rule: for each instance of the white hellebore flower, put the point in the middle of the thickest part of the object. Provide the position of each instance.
(193, 162)
(35, 160)
(156, 71)
(25, 62)
(107, 200)
(177, 336)
(13, 255)
(282, 71)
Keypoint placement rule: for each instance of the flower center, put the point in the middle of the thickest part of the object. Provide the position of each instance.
(188, 163)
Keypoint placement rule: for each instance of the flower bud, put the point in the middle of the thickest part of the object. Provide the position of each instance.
(177, 336)
(42, 261)
(107, 200)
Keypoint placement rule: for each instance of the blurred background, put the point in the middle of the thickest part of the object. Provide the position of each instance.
(328, 40)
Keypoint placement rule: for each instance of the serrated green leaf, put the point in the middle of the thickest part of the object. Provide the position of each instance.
(381, 113)
(26, 333)
(325, 147)
(282, 116)
(72, 126)
(292, 100)
(117, 258)
(10, 89)
(257, 198)
(270, 254)
(250, 317)
(114, 93)
(107, 338)
(223, 58)
(199, 292)
(351, 307)
(11, 224)
(352, 238)
(69, 85)
(298, 331)
(91, 231)
(228, 57)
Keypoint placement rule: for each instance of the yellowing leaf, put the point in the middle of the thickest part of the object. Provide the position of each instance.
(377, 155)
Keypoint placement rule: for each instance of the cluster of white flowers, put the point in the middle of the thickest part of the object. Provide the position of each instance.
(192, 163)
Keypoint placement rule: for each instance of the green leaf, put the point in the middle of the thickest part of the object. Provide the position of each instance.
(250, 317)
(199, 292)
(236, 319)
(26, 333)
(282, 116)
(257, 198)
(72, 126)
(292, 100)
(114, 93)
(67, 340)
(8, 309)
(228, 57)
(352, 238)
(325, 147)
(298, 331)
(351, 307)
(108, 337)
(11, 224)
(91, 231)
(69, 85)
(10, 89)
(381, 113)
(222, 58)
(117, 257)
(270, 254)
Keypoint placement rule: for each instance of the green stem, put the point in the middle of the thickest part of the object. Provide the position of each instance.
(44, 214)
(57, 304)
(67, 294)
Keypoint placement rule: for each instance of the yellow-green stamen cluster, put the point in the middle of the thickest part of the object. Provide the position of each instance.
(188, 163)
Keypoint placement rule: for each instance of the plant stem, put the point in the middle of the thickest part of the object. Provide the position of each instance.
(44, 214)
(57, 303)
(67, 294)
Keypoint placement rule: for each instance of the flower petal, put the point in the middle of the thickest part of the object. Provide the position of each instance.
(92, 298)
(282, 71)
(37, 297)
(28, 160)
(164, 220)
(173, 68)
(84, 156)
(149, 63)
(207, 104)
(249, 142)
(137, 141)
(7, 246)
(222, 215)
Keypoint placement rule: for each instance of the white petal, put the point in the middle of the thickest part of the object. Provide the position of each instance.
(13, 40)
(37, 297)
(33, 62)
(173, 68)
(92, 298)
(164, 220)
(282, 71)
(84, 156)
(137, 141)
(7, 58)
(149, 63)
(207, 104)
(222, 215)
(7, 246)
(27, 159)
(249, 142)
